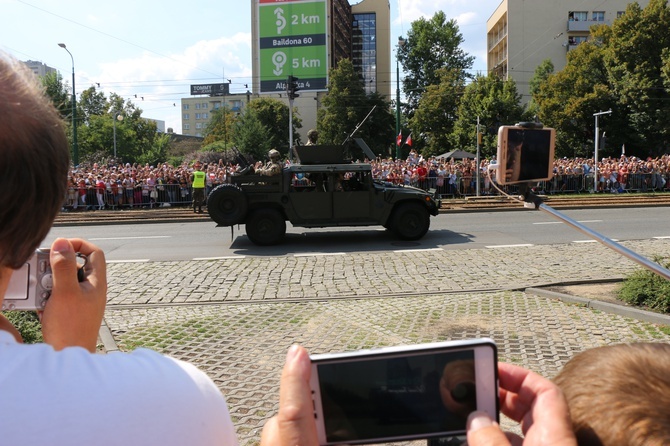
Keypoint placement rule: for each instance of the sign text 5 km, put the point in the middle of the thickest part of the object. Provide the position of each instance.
(292, 41)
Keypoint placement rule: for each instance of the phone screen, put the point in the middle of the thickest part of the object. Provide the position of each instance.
(416, 394)
(526, 155)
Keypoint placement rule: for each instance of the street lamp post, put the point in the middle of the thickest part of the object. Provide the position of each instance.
(597, 143)
(117, 117)
(75, 148)
(401, 43)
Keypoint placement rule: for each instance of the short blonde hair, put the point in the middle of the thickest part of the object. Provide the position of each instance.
(619, 394)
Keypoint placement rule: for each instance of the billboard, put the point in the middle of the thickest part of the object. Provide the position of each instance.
(292, 41)
(210, 89)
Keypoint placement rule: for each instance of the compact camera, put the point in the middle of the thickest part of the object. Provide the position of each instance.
(30, 286)
(403, 393)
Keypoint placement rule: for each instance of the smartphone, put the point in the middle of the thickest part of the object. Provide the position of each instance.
(403, 393)
(525, 154)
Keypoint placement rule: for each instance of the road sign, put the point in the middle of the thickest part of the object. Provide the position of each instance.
(292, 42)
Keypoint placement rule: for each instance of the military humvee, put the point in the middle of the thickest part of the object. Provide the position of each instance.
(324, 189)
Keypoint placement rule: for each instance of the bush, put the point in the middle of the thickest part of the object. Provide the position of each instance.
(645, 288)
(28, 325)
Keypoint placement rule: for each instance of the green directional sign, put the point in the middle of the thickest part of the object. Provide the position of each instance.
(292, 41)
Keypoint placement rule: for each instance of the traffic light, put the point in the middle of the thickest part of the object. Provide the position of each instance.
(292, 87)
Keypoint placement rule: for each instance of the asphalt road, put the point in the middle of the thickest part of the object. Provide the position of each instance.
(202, 240)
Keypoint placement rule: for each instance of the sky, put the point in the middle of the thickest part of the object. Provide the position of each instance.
(151, 52)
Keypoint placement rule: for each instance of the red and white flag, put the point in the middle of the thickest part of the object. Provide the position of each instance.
(398, 139)
(409, 140)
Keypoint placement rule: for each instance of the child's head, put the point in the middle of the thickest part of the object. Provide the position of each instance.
(34, 161)
(619, 394)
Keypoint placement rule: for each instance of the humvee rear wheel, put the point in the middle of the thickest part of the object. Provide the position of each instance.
(410, 221)
(227, 205)
(266, 227)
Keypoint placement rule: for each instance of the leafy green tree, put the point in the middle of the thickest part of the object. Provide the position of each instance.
(430, 46)
(220, 126)
(568, 98)
(92, 103)
(433, 120)
(542, 73)
(620, 68)
(495, 102)
(346, 105)
(251, 136)
(273, 116)
(58, 92)
(634, 61)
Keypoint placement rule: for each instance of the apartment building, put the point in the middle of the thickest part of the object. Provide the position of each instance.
(38, 68)
(522, 34)
(196, 111)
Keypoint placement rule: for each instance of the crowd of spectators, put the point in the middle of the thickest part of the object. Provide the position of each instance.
(115, 186)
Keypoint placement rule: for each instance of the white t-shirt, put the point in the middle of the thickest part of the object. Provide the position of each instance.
(73, 397)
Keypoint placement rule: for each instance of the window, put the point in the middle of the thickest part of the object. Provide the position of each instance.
(205, 116)
(185, 106)
(204, 105)
(187, 126)
(198, 125)
(187, 116)
(577, 16)
(619, 14)
(197, 105)
(198, 116)
(217, 105)
(598, 16)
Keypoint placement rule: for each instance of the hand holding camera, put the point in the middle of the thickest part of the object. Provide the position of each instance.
(74, 312)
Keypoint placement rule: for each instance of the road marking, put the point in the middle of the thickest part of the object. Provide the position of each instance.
(662, 237)
(129, 261)
(560, 222)
(320, 254)
(131, 238)
(520, 245)
(418, 250)
(592, 241)
(219, 258)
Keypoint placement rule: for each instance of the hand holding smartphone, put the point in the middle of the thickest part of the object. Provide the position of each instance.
(403, 393)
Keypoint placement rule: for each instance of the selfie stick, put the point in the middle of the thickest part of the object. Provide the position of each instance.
(533, 200)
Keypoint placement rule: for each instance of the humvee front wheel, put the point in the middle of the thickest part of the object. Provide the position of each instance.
(266, 227)
(410, 221)
(227, 205)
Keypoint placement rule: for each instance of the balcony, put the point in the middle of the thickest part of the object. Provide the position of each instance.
(584, 25)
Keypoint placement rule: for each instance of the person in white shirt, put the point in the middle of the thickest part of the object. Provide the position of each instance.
(61, 392)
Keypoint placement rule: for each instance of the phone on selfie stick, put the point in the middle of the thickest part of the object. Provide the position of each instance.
(403, 393)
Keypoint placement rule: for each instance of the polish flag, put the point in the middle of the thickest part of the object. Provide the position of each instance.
(398, 140)
(409, 140)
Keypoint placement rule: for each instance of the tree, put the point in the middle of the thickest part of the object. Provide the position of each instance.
(220, 126)
(430, 46)
(92, 103)
(251, 136)
(58, 92)
(347, 104)
(542, 73)
(273, 116)
(433, 120)
(495, 102)
(620, 68)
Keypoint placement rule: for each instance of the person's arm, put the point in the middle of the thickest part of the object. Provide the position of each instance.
(294, 424)
(535, 402)
(74, 312)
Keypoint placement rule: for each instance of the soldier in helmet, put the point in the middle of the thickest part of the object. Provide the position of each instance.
(273, 167)
(312, 137)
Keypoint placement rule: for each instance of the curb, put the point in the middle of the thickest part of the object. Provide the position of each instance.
(621, 310)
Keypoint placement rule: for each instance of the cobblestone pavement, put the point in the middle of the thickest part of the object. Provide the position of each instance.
(235, 318)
